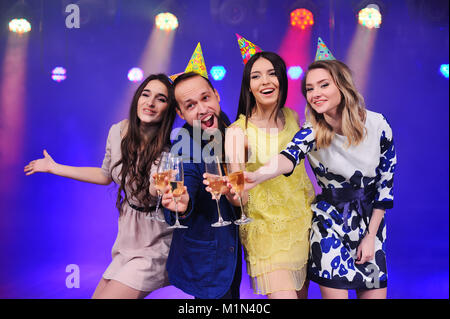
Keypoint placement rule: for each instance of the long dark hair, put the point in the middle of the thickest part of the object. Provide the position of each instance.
(247, 100)
(137, 162)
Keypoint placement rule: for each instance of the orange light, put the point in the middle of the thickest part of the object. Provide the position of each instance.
(302, 18)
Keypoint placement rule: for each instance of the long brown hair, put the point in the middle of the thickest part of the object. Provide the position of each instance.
(352, 106)
(137, 162)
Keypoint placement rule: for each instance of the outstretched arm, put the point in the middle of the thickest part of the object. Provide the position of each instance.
(93, 175)
(236, 149)
(277, 166)
(285, 162)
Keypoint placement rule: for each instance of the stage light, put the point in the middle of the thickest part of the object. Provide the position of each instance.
(59, 74)
(166, 21)
(135, 75)
(19, 26)
(295, 72)
(370, 16)
(302, 18)
(218, 72)
(444, 70)
(20, 17)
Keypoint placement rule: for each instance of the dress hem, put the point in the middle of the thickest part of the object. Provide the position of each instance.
(258, 290)
(344, 284)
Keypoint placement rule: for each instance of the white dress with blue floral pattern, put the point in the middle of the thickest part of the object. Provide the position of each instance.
(334, 238)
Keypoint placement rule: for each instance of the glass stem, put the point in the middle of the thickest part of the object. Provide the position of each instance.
(158, 203)
(176, 212)
(242, 208)
(218, 210)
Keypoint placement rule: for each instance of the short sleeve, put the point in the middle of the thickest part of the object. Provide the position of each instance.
(301, 144)
(384, 198)
(106, 166)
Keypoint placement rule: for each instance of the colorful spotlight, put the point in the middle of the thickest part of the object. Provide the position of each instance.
(166, 21)
(302, 18)
(59, 74)
(19, 26)
(295, 72)
(135, 75)
(444, 70)
(370, 16)
(218, 72)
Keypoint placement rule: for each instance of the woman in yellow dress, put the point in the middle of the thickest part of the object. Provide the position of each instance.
(276, 242)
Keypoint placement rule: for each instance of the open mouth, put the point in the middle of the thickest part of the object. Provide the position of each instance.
(318, 103)
(267, 91)
(148, 112)
(208, 121)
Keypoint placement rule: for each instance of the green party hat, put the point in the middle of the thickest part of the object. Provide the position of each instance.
(323, 53)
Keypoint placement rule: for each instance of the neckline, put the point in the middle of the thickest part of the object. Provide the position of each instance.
(365, 125)
(264, 131)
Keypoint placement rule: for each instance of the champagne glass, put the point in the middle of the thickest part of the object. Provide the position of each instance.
(235, 172)
(217, 183)
(162, 172)
(177, 185)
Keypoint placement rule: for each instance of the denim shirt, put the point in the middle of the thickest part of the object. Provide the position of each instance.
(202, 259)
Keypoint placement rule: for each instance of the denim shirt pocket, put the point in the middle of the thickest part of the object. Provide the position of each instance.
(198, 259)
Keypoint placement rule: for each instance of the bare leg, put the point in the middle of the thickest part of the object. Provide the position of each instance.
(333, 293)
(303, 293)
(101, 285)
(116, 290)
(380, 293)
(284, 294)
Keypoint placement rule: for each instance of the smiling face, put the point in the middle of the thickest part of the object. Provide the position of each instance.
(198, 103)
(264, 84)
(321, 92)
(152, 102)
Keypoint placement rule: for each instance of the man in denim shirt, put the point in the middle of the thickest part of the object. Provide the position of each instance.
(203, 261)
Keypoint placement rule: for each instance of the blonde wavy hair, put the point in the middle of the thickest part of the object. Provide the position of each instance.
(352, 106)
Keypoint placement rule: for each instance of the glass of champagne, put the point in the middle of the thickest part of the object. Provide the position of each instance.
(162, 172)
(177, 185)
(235, 172)
(217, 183)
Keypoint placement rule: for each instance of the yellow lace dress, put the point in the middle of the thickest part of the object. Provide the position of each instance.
(276, 242)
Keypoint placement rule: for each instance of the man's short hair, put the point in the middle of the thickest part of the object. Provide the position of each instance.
(186, 76)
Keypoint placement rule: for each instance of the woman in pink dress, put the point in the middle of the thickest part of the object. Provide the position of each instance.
(140, 251)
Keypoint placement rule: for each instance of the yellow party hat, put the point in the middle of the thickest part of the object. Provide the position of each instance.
(197, 63)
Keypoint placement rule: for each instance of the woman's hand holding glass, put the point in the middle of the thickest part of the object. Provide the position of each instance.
(175, 193)
(163, 170)
(235, 172)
